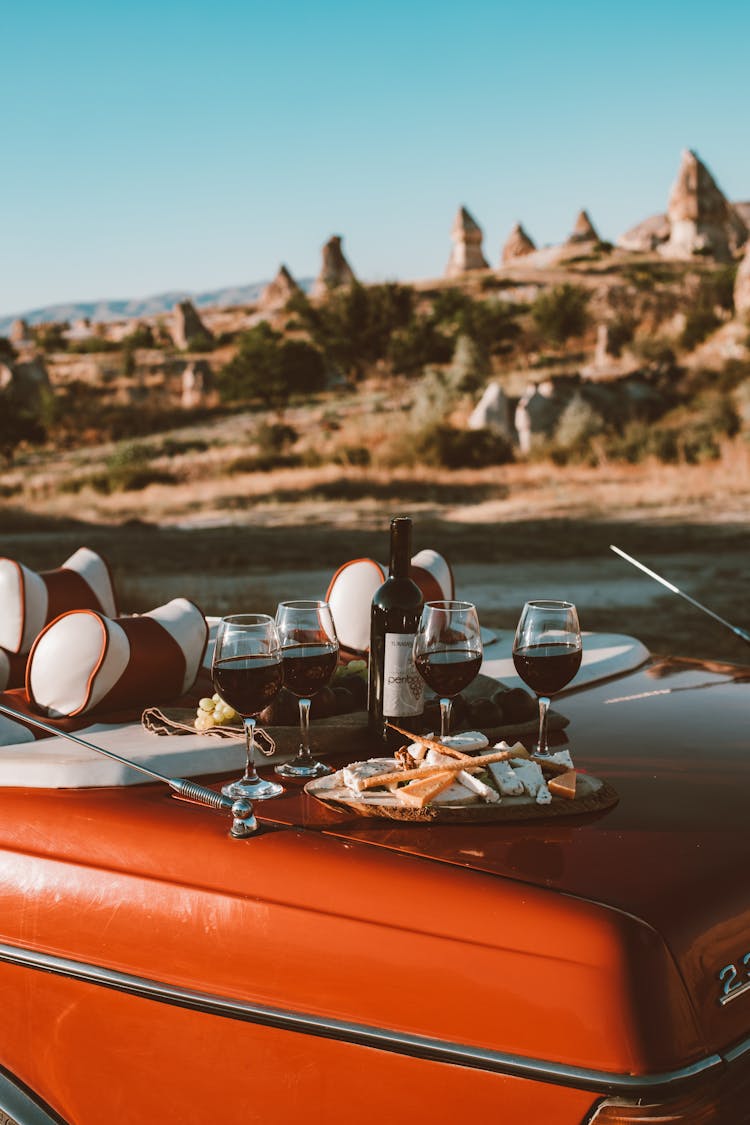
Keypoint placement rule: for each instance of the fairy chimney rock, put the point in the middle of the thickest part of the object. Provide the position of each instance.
(335, 271)
(187, 324)
(742, 287)
(517, 245)
(467, 245)
(19, 332)
(583, 230)
(277, 292)
(701, 220)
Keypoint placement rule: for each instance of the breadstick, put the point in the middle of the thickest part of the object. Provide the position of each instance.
(432, 744)
(386, 779)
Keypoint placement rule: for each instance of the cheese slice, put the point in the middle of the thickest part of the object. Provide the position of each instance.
(421, 791)
(564, 785)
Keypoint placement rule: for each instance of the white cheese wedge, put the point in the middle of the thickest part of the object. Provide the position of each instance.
(562, 758)
(466, 741)
(491, 796)
(455, 794)
(506, 779)
(356, 772)
(533, 781)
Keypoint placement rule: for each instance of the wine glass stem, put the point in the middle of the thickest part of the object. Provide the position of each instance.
(542, 749)
(445, 718)
(250, 774)
(304, 754)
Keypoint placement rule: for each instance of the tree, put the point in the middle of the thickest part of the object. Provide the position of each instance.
(271, 369)
(561, 312)
(354, 326)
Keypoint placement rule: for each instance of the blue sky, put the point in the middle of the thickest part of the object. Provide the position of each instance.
(155, 146)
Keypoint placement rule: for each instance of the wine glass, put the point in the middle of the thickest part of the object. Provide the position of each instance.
(310, 652)
(247, 673)
(547, 652)
(448, 652)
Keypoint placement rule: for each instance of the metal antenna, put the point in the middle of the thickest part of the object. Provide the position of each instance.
(741, 633)
(243, 817)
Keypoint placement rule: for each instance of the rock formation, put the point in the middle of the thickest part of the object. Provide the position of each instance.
(583, 230)
(196, 383)
(187, 324)
(467, 246)
(277, 292)
(517, 245)
(335, 271)
(699, 219)
(491, 412)
(19, 332)
(28, 381)
(742, 287)
(537, 414)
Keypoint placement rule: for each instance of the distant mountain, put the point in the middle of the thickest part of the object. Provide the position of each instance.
(139, 307)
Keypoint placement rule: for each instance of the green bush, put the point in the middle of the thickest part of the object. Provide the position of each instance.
(128, 469)
(418, 344)
(271, 369)
(354, 326)
(561, 313)
(700, 322)
(91, 345)
(449, 448)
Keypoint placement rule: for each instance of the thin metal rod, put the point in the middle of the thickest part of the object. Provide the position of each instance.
(741, 633)
(190, 790)
(21, 717)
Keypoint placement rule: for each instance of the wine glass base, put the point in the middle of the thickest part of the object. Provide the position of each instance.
(302, 771)
(258, 790)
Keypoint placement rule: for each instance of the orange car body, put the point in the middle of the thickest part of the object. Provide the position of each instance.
(153, 969)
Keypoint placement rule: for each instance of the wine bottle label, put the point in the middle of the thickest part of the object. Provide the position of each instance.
(403, 689)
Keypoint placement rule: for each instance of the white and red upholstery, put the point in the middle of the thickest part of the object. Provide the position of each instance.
(86, 662)
(351, 590)
(30, 600)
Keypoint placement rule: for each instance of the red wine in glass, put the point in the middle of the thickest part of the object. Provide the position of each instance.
(547, 668)
(308, 667)
(247, 674)
(547, 653)
(448, 671)
(248, 683)
(448, 651)
(310, 652)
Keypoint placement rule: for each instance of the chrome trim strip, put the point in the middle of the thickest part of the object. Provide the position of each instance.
(383, 1039)
(738, 1051)
(22, 1105)
(734, 993)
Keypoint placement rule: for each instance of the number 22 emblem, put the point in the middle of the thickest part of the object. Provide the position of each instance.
(735, 979)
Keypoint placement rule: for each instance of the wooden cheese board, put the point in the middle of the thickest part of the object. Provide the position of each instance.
(592, 795)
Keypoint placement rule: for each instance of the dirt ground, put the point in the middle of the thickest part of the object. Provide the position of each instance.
(244, 566)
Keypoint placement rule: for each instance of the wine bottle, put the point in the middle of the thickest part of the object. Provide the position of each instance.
(395, 689)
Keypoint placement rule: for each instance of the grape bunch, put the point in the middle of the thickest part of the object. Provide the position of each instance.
(213, 712)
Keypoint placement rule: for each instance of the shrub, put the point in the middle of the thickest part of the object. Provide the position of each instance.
(129, 469)
(7, 351)
(561, 313)
(271, 369)
(417, 344)
(90, 345)
(201, 342)
(354, 456)
(142, 336)
(700, 322)
(354, 326)
(275, 437)
(446, 447)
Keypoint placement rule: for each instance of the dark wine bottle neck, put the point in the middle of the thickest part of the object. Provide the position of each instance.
(400, 547)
